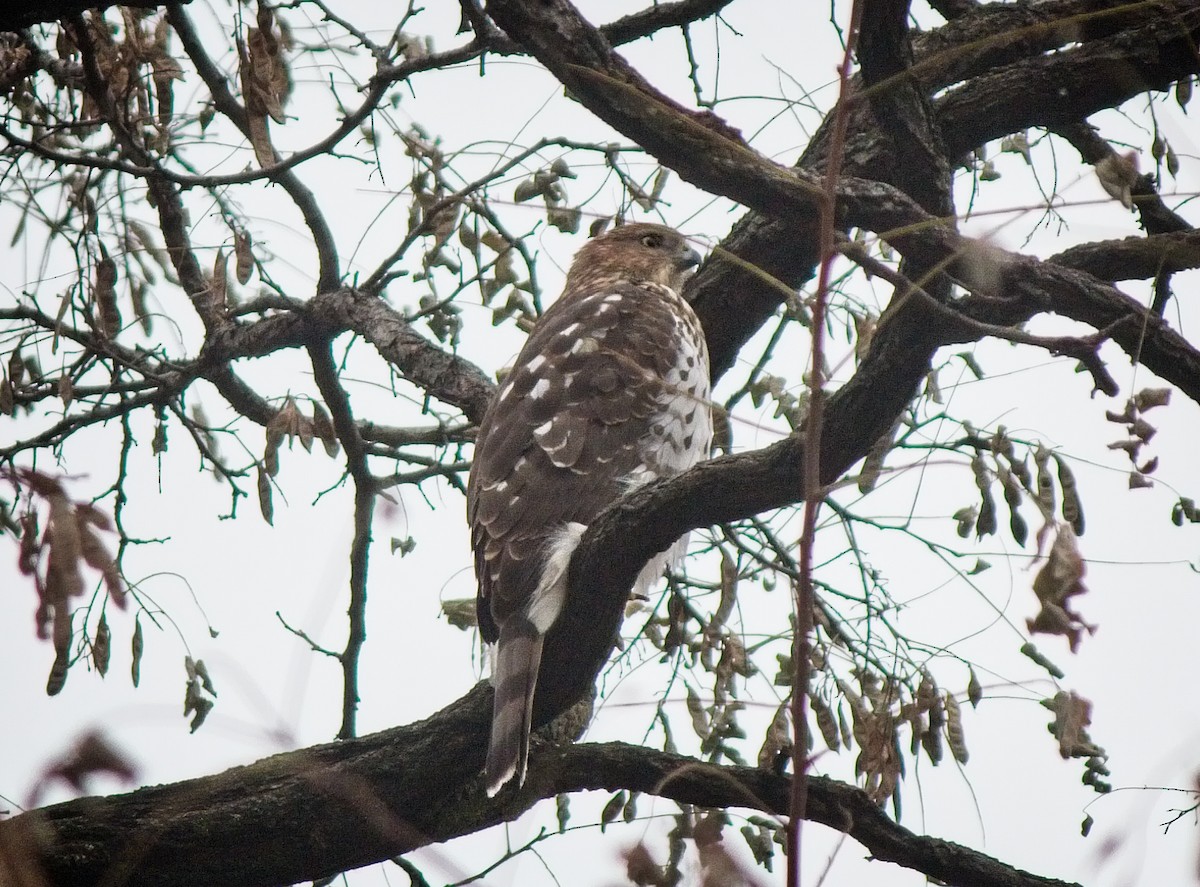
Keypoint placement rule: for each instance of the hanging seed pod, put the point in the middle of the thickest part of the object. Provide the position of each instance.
(974, 689)
(1183, 92)
(265, 503)
(985, 523)
(954, 729)
(102, 646)
(825, 722)
(1072, 508)
(137, 646)
(612, 809)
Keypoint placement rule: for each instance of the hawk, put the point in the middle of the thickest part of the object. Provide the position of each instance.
(610, 391)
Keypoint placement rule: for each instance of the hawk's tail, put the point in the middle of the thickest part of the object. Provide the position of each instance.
(518, 655)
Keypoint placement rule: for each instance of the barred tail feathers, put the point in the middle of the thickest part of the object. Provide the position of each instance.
(518, 655)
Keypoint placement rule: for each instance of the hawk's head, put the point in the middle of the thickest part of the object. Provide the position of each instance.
(638, 253)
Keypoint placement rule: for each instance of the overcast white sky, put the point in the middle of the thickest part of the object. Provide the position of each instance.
(1015, 799)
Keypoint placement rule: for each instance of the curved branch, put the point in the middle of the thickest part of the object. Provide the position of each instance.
(842, 807)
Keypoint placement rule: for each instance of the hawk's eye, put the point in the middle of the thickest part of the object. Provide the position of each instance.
(653, 241)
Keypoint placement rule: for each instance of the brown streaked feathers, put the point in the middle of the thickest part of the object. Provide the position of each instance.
(610, 391)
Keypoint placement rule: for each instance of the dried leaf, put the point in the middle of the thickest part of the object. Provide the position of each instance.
(461, 613)
(1060, 579)
(1072, 716)
(91, 755)
(201, 672)
(158, 444)
(66, 390)
(640, 868)
(564, 218)
(1118, 173)
(1149, 398)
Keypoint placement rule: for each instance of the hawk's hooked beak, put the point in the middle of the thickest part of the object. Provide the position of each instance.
(687, 260)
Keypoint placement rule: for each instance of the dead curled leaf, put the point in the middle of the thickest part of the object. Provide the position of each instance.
(70, 541)
(1059, 580)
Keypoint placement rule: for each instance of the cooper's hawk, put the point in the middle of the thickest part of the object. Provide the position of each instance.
(610, 391)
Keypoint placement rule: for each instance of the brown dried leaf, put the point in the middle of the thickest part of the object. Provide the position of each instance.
(201, 672)
(91, 755)
(1060, 579)
(158, 444)
(1072, 716)
(8, 403)
(66, 390)
(1149, 398)
(641, 869)
(1118, 173)
(461, 613)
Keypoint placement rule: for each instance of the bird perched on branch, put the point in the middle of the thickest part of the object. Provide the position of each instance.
(610, 392)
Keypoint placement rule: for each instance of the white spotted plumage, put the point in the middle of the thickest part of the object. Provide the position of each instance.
(609, 392)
